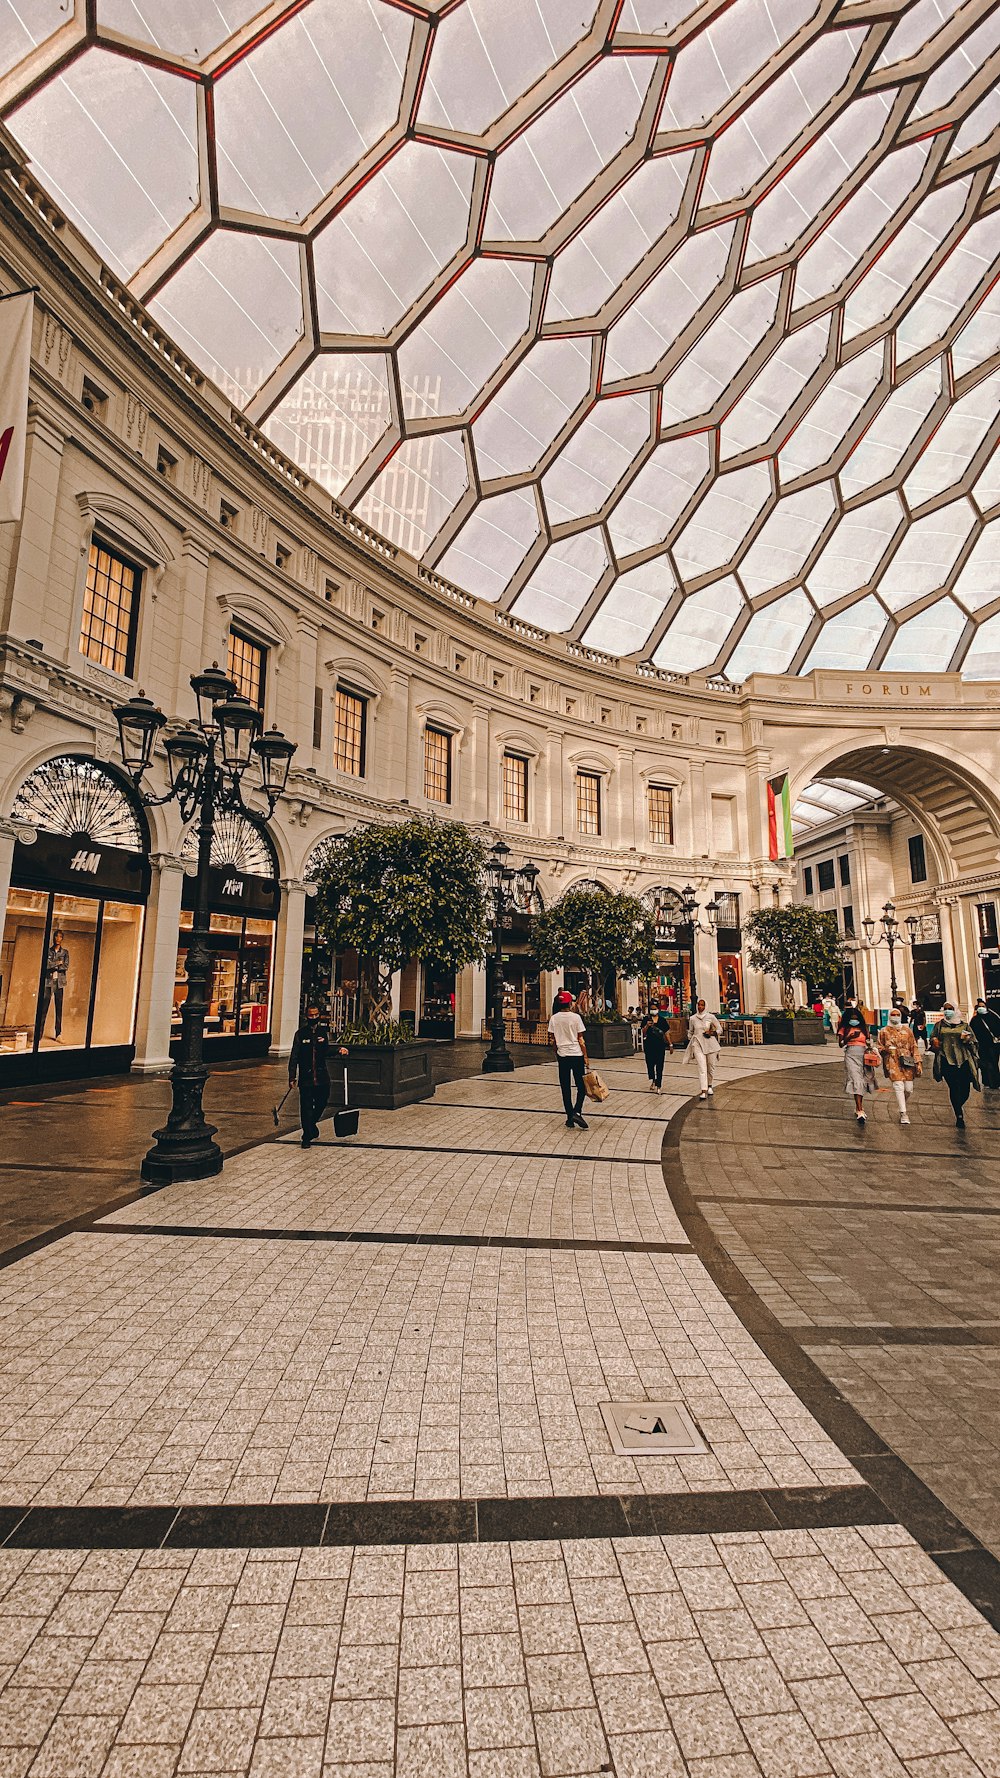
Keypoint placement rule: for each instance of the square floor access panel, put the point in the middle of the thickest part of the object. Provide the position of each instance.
(652, 1429)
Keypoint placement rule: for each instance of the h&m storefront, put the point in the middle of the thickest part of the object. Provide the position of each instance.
(72, 937)
(244, 896)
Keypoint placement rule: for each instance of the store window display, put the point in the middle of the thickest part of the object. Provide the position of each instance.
(243, 899)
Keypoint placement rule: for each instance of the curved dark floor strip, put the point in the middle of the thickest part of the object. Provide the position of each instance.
(910, 1502)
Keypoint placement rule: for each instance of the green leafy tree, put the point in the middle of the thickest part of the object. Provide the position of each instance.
(404, 889)
(792, 943)
(594, 931)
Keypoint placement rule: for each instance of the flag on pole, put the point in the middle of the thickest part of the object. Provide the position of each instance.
(779, 818)
(15, 361)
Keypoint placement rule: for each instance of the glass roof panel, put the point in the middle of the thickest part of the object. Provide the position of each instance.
(781, 548)
(983, 658)
(657, 496)
(608, 247)
(929, 549)
(516, 428)
(541, 173)
(116, 145)
(847, 642)
(692, 640)
(562, 583)
(392, 239)
(491, 546)
(596, 457)
(652, 325)
(331, 419)
(485, 56)
(235, 307)
(932, 635)
(632, 607)
(280, 156)
(432, 240)
(769, 642)
(849, 560)
(729, 509)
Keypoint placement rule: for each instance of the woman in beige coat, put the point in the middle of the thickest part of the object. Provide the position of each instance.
(900, 1060)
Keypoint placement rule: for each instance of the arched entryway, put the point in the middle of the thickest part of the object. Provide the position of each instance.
(244, 897)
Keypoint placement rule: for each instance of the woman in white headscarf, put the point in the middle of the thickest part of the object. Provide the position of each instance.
(900, 1060)
(704, 1032)
(956, 1059)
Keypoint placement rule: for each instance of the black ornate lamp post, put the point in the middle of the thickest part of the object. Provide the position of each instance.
(691, 910)
(502, 882)
(207, 762)
(890, 936)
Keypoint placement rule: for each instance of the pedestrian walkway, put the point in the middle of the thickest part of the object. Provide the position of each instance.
(303, 1472)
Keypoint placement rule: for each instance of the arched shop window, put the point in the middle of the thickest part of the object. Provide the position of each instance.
(244, 896)
(72, 937)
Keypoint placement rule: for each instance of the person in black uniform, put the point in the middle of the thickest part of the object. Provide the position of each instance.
(985, 1024)
(309, 1063)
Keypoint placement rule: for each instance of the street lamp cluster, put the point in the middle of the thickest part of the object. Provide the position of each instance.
(667, 931)
(890, 935)
(504, 883)
(207, 762)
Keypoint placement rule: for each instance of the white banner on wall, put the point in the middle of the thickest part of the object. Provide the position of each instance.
(15, 362)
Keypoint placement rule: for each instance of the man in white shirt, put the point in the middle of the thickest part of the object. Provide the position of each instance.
(568, 1033)
(704, 1032)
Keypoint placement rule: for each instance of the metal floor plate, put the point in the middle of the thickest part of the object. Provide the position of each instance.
(652, 1429)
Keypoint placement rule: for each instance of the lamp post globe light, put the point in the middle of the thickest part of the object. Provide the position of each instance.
(502, 882)
(207, 762)
(890, 936)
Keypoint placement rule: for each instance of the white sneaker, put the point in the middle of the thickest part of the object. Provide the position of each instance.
(703, 1095)
(904, 1120)
(711, 1092)
(861, 1117)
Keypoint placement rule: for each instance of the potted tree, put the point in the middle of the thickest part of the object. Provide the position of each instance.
(792, 943)
(391, 892)
(596, 931)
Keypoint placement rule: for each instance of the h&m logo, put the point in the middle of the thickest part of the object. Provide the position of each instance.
(90, 862)
(232, 886)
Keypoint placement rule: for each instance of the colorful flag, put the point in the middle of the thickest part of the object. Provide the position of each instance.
(15, 361)
(779, 818)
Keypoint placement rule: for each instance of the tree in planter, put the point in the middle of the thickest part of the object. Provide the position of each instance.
(791, 943)
(595, 931)
(400, 890)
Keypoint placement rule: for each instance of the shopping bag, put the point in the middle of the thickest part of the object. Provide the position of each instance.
(594, 1086)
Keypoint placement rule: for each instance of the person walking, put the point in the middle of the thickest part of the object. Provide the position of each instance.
(853, 1039)
(900, 1060)
(568, 1034)
(655, 1044)
(309, 1064)
(832, 1013)
(956, 1059)
(918, 1025)
(985, 1027)
(704, 1033)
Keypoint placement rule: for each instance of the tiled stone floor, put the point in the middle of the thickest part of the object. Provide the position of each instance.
(257, 1361)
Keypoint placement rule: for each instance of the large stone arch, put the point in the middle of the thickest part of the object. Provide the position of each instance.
(954, 805)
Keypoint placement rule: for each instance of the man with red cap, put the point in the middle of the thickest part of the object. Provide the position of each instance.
(568, 1033)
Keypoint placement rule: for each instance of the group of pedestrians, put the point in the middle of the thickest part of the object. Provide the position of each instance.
(965, 1054)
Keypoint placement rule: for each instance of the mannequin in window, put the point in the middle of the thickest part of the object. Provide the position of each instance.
(56, 970)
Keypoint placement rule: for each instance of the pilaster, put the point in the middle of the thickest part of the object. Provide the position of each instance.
(159, 965)
(288, 966)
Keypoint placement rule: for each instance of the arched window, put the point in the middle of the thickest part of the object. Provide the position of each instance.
(79, 797)
(589, 883)
(239, 843)
(318, 857)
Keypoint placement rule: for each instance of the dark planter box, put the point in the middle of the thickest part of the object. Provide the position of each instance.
(778, 1029)
(384, 1079)
(606, 1041)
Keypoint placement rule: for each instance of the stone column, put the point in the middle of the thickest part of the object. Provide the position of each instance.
(470, 1000)
(194, 601)
(307, 634)
(8, 838)
(288, 966)
(159, 965)
(34, 610)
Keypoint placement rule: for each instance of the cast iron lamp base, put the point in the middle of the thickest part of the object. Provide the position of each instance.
(183, 1148)
(498, 1062)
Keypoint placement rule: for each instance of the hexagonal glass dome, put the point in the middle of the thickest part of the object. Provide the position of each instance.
(672, 326)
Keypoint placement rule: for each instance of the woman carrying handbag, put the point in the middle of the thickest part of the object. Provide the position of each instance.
(900, 1060)
(860, 1061)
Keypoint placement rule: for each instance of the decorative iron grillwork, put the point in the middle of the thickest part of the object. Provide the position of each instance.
(69, 795)
(237, 844)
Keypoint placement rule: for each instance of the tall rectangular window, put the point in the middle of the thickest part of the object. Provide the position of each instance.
(110, 609)
(808, 879)
(247, 667)
(437, 765)
(588, 802)
(318, 717)
(918, 858)
(848, 920)
(661, 815)
(350, 725)
(824, 871)
(515, 787)
(845, 868)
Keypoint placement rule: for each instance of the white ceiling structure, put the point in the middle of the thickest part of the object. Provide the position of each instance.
(670, 325)
(831, 799)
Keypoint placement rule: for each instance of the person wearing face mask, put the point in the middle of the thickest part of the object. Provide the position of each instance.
(309, 1062)
(900, 1060)
(956, 1059)
(985, 1026)
(704, 1032)
(853, 1039)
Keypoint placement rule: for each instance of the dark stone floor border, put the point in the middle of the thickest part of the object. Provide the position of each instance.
(908, 1500)
(501, 1520)
(855, 1204)
(986, 1333)
(395, 1238)
(502, 1154)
